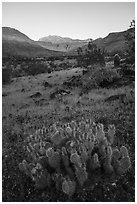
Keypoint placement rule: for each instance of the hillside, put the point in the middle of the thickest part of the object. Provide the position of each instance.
(10, 34)
(113, 42)
(15, 43)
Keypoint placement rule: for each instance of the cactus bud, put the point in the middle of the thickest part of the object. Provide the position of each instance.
(124, 151)
(75, 159)
(66, 187)
(115, 154)
(100, 134)
(49, 152)
(125, 164)
(94, 163)
(81, 175)
(111, 133)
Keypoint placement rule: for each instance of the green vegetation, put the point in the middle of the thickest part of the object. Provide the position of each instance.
(92, 55)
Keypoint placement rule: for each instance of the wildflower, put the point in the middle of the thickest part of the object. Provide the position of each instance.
(49, 152)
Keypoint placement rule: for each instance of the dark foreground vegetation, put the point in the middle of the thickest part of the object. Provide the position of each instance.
(98, 96)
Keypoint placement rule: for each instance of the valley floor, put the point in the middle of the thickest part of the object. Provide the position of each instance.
(27, 105)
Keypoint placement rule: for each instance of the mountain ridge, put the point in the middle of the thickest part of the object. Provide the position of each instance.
(59, 39)
(14, 34)
(112, 43)
(15, 42)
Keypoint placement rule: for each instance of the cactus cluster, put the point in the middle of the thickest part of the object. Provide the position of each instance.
(65, 154)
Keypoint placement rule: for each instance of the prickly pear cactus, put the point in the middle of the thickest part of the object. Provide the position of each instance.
(68, 187)
(66, 154)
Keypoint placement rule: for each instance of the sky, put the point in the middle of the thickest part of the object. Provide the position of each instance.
(80, 20)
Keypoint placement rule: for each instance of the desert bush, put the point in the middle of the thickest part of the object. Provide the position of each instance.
(65, 154)
(130, 40)
(36, 68)
(100, 77)
(18, 72)
(74, 81)
(92, 55)
(128, 70)
(46, 84)
(65, 65)
(6, 75)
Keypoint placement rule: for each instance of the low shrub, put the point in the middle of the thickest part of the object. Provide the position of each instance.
(90, 56)
(6, 75)
(36, 68)
(100, 77)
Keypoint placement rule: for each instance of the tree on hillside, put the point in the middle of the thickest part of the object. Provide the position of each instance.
(91, 55)
(116, 60)
(80, 57)
(130, 40)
